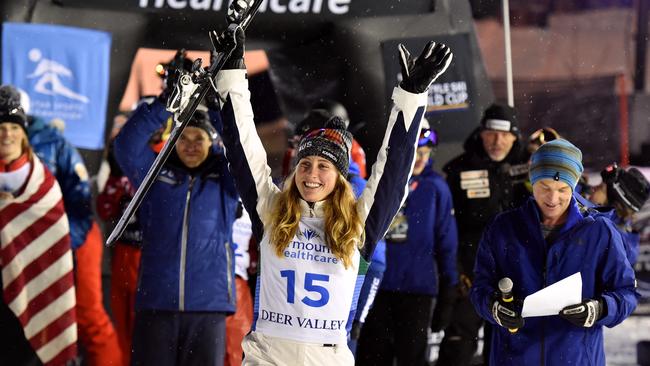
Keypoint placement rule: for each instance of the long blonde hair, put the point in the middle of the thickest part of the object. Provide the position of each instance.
(343, 226)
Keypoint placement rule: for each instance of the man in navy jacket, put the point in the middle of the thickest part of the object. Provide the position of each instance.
(486, 179)
(186, 280)
(540, 243)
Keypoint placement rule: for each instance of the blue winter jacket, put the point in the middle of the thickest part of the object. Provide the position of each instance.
(187, 261)
(430, 248)
(65, 163)
(631, 237)
(513, 246)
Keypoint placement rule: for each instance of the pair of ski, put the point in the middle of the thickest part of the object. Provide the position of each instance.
(190, 89)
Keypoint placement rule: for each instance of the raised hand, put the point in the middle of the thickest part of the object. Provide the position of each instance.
(237, 10)
(419, 73)
(233, 38)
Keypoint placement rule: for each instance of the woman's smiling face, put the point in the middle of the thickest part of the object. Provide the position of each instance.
(11, 141)
(315, 178)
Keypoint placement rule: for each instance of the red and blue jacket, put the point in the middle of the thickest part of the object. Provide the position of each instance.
(65, 163)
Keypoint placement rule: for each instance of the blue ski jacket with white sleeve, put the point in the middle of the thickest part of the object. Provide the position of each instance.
(307, 294)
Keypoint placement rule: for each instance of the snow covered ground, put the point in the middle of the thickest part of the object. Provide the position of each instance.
(620, 341)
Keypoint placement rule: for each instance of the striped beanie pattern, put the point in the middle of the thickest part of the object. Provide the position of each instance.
(559, 160)
(332, 142)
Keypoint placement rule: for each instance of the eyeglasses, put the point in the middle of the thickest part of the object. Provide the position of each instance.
(543, 135)
(428, 137)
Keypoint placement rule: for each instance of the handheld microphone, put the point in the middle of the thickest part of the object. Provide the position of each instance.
(505, 287)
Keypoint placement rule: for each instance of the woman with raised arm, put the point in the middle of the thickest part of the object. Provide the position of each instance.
(315, 237)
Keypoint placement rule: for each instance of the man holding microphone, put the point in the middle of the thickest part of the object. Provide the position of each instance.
(542, 242)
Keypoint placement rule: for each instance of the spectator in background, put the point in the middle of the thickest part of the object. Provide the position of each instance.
(96, 332)
(316, 116)
(335, 108)
(37, 297)
(538, 244)
(113, 199)
(540, 137)
(186, 285)
(125, 261)
(626, 191)
(420, 271)
(488, 178)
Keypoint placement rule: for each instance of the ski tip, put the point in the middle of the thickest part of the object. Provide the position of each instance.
(110, 241)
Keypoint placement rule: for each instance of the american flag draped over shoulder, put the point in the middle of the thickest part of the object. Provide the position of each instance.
(36, 262)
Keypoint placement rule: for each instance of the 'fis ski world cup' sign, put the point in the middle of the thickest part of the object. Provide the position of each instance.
(328, 8)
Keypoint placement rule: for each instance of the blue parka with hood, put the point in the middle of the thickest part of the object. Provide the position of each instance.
(65, 163)
(513, 246)
(631, 237)
(187, 261)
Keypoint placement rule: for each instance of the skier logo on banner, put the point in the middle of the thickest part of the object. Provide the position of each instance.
(48, 71)
(65, 73)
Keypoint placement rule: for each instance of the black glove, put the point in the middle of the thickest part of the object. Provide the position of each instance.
(584, 314)
(172, 71)
(506, 314)
(444, 308)
(419, 73)
(232, 37)
(237, 10)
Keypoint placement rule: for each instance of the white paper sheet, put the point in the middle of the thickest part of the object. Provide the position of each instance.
(552, 299)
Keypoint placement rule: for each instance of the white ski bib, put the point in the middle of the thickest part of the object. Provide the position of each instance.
(307, 294)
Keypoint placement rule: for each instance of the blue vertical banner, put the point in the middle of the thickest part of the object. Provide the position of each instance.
(65, 72)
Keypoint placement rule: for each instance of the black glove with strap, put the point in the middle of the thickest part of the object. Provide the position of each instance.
(444, 309)
(233, 39)
(505, 313)
(584, 314)
(419, 73)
